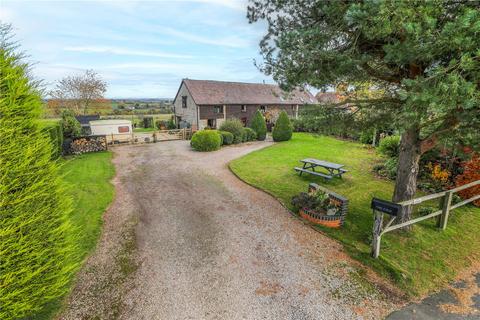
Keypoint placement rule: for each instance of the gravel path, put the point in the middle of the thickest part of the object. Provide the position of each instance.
(208, 246)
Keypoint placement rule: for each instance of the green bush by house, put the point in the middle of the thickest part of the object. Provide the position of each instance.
(390, 146)
(206, 140)
(70, 126)
(55, 132)
(259, 126)
(227, 137)
(283, 128)
(235, 127)
(248, 134)
(36, 251)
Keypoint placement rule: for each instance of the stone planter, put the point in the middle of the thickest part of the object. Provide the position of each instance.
(322, 218)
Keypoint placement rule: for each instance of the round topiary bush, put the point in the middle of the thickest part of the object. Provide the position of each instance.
(248, 134)
(206, 140)
(235, 127)
(283, 128)
(390, 146)
(227, 137)
(259, 126)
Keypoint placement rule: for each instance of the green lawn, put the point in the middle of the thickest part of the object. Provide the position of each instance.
(87, 179)
(418, 262)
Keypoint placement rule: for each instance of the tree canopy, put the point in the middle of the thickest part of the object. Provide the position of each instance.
(423, 56)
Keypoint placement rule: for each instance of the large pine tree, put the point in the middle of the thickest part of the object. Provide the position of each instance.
(423, 56)
(35, 251)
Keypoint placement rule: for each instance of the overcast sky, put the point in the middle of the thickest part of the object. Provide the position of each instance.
(142, 49)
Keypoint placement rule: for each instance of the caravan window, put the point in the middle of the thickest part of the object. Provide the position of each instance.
(123, 129)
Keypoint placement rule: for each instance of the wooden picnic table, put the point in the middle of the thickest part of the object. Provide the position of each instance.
(333, 169)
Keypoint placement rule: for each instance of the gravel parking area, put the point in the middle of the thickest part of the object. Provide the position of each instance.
(208, 246)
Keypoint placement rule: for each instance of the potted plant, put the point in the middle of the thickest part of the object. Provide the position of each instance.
(321, 207)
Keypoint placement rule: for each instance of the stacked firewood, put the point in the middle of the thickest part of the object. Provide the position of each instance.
(88, 144)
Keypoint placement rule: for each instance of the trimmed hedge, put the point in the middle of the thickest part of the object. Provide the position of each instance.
(282, 131)
(36, 248)
(206, 140)
(259, 126)
(248, 135)
(235, 127)
(55, 132)
(227, 137)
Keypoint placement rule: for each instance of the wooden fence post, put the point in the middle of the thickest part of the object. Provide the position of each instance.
(377, 229)
(447, 201)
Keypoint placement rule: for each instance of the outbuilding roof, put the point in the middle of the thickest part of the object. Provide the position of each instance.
(210, 92)
(110, 122)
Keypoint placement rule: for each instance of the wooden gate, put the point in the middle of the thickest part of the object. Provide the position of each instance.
(149, 137)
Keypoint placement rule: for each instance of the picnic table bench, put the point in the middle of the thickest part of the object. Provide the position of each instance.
(333, 169)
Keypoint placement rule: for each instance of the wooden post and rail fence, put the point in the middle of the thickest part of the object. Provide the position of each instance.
(380, 207)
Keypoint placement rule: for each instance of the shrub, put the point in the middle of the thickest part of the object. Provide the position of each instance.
(391, 168)
(259, 126)
(70, 126)
(148, 122)
(227, 137)
(55, 132)
(366, 136)
(282, 131)
(471, 172)
(171, 124)
(390, 146)
(36, 250)
(235, 127)
(206, 140)
(161, 124)
(248, 135)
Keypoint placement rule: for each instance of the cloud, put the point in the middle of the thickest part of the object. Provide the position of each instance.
(125, 52)
(232, 4)
(232, 41)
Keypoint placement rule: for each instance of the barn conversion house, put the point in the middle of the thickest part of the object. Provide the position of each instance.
(207, 103)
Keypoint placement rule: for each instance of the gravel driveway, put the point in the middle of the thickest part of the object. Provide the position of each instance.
(208, 246)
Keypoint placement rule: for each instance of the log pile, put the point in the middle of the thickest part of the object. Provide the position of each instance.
(88, 144)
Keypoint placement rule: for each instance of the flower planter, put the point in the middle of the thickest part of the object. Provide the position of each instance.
(324, 218)
(334, 221)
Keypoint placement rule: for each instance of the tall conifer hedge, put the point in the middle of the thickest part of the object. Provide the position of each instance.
(35, 252)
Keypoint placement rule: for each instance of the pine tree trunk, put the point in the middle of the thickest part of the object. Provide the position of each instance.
(407, 171)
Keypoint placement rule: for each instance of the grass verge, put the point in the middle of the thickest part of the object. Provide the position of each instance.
(87, 179)
(418, 262)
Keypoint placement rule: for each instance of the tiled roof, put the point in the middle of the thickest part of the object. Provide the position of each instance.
(209, 92)
(327, 97)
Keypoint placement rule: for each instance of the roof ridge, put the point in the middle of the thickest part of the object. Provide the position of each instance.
(236, 82)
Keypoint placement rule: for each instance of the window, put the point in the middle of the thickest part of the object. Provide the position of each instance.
(184, 101)
(218, 109)
(293, 107)
(212, 123)
(244, 108)
(263, 108)
(123, 129)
